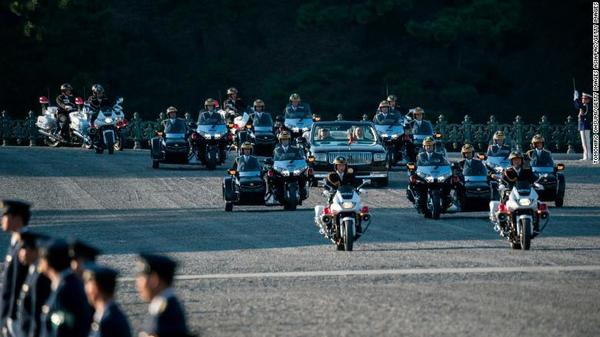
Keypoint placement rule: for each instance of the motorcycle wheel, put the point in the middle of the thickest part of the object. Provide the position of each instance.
(560, 196)
(52, 143)
(155, 164)
(110, 146)
(348, 235)
(228, 206)
(525, 236)
(436, 206)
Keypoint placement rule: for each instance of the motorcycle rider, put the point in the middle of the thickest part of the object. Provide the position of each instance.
(431, 158)
(341, 175)
(498, 148)
(283, 150)
(384, 115)
(392, 100)
(66, 104)
(518, 171)
(171, 120)
(210, 116)
(296, 107)
(257, 113)
(97, 101)
(420, 125)
(468, 162)
(539, 156)
(233, 102)
(246, 158)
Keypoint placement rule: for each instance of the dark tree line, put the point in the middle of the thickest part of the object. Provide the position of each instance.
(478, 57)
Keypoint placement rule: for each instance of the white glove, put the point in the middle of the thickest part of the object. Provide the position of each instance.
(575, 95)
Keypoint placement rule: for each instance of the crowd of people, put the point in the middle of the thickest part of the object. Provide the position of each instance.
(54, 287)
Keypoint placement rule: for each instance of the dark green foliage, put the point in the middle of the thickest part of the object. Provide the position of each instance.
(456, 57)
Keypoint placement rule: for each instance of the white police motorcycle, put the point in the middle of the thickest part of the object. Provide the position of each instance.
(104, 130)
(346, 219)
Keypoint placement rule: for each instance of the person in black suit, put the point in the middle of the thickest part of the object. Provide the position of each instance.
(67, 312)
(154, 282)
(246, 161)
(36, 288)
(15, 217)
(518, 172)
(109, 319)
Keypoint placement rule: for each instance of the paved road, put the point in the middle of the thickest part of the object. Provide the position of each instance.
(265, 272)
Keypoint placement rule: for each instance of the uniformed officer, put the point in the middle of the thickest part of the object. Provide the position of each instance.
(297, 109)
(65, 103)
(342, 175)
(429, 157)
(15, 217)
(538, 156)
(166, 317)
(210, 115)
(36, 288)
(109, 319)
(67, 312)
(258, 116)
(246, 159)
(498, 148)
(81, 254)
(420, 125)
(584, 110)
(384, 116)
(172, 122)
(517, 172)
(233, 101)
(394, 108)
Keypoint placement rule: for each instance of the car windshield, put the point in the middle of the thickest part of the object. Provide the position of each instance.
(290, 155)
(250, 166)
(343, 133)
(178, 126)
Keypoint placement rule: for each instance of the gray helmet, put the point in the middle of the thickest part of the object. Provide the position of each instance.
(97, 89)
(65, 86)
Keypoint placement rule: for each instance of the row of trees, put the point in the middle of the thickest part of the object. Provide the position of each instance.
(476, 57)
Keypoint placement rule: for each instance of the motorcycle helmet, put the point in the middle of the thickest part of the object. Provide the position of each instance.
(467, 148)
(284, 135)
(231, 91)
(515, 154)
(97, 89)
(247, 146)
(392, 98)
(340, 160)
(294, 97)
(209, 102)
(171, 109)
(537, 139)
(383, 104)
(499, 135)
(419, 111)
(259, 102)
(428, 141)
(66, 87)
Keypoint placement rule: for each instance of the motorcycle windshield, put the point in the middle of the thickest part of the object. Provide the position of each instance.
(542, 169)
(254, 173)
(250, 166)
(522, 188)
(263, 129)
(297, 165)
(434, 171)
(176, 127)
(346, 191)
(418, 139)
(299, 123)
(501, 161)
(216, 129)
(389, 130)
(475, 169)
(264, 121)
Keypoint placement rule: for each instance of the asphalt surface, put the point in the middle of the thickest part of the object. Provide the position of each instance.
(264, 272)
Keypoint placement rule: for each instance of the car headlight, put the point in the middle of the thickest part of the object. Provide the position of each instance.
(384, 135)
(206, 135)
(108, 120)
(429, 179)
(298, 172)
(379, 156)
(320, 156)
(524, 202)
(217, 136)
(442, 178)
(285, 173)
(395, 135)
(347, 205)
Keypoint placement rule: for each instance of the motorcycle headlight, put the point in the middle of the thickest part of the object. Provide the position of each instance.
(295, 129)
(442, 178)
(429, 179)
(285, 173)
(384, 135)
(378, 156)
(217, 136)
(206, 135)
(320, 156)
(395, 135)
(298, 172)
(108, 120)
(524, 202)
(347, 205)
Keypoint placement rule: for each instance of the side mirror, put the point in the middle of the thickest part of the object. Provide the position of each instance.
(411, 166)
(560, 167)
(119, 100)
(232, 172)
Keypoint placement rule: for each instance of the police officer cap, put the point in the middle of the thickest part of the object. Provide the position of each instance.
(56, 252)
(163, 266)
(105, 278)
(82, 250)
(16, 207)
(32, 240)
